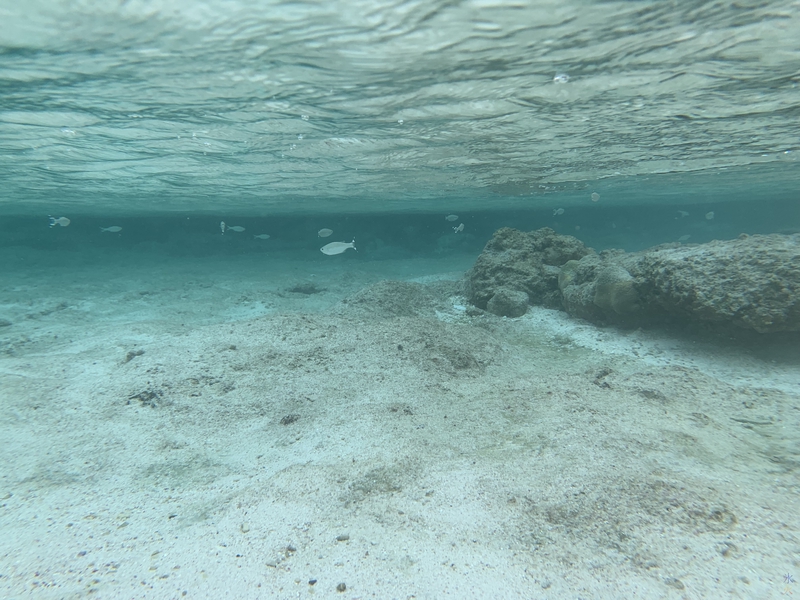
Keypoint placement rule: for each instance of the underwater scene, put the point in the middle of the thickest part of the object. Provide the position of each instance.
(480, 299)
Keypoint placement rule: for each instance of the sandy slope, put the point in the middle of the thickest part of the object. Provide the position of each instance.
(391, 443)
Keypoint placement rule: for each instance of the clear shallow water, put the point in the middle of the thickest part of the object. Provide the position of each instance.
(359, 107)
(195, 414)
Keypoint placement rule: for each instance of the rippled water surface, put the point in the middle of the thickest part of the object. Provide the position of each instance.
(372, 105)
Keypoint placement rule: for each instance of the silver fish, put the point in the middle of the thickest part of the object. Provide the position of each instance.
(262, 236)
(236, 228)
(452, 217)
(324, 232)
(63, 221)
(112, 229)
(337, 247)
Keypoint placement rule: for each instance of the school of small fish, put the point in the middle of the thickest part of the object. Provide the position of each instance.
(330, 249)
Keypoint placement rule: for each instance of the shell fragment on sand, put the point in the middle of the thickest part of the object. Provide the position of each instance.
(337, 247)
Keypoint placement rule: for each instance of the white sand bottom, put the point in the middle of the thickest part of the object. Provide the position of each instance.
(188, 432)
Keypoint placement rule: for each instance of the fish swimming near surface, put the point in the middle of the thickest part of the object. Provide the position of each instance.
(558, 211)
(112, 229)
(324, 232)
(337, 247)
(222, 226)
(236, 228)
(63, 221)
(451, 217)
(262, 236)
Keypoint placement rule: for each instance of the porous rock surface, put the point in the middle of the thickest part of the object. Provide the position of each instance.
(752, 282)
(514, 260)
(508, 303)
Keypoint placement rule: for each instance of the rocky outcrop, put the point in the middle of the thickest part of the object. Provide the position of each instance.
(752, 282)
(521, 262)
(508, 303)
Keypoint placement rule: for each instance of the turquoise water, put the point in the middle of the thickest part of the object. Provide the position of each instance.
(191, 409)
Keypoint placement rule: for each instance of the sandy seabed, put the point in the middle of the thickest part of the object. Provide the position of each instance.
(229, 429)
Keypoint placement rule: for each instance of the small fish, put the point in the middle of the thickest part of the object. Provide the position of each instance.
(558, 211)
(112, 229)
(452, 218)
(459, 228)
(595, 196)
(684, 238)
(324, 232)
(222, 226)
(683, 213)
(262, 236)
(63, 221)
(236, 228)
(337, 247)
(709, 215)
